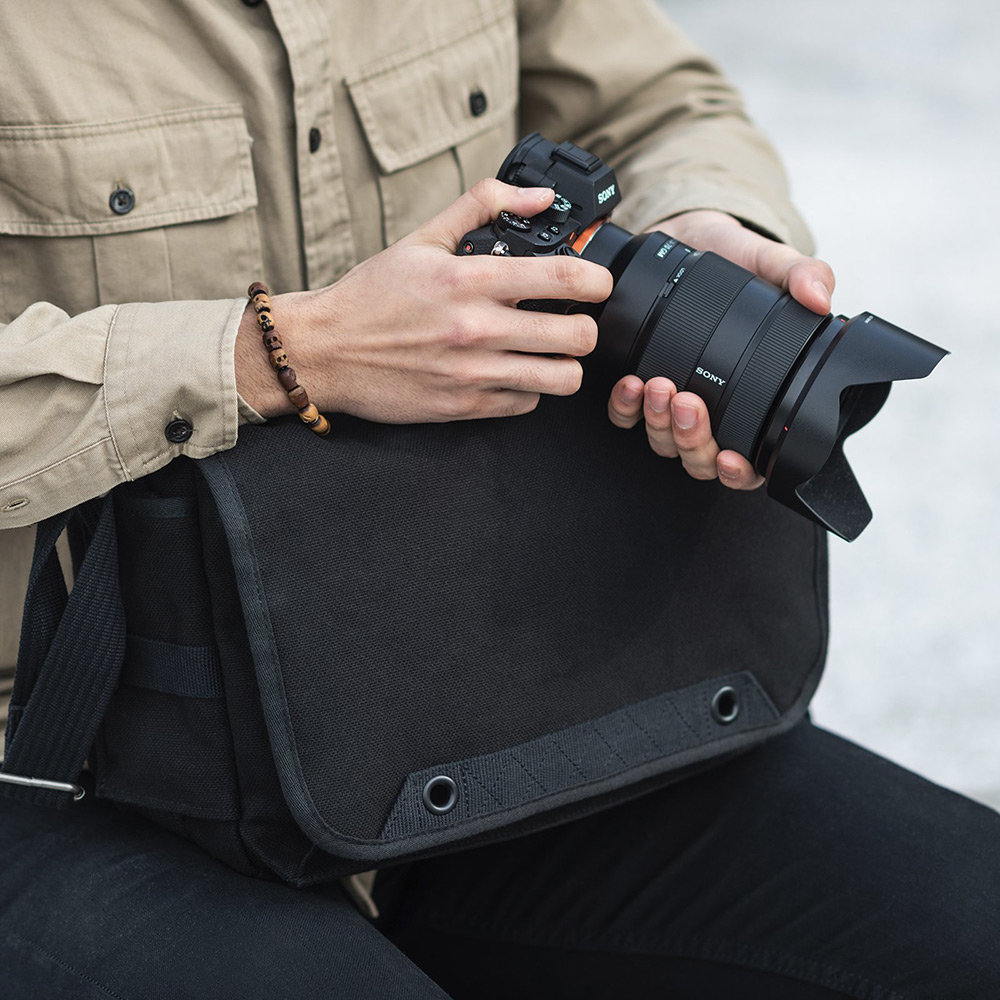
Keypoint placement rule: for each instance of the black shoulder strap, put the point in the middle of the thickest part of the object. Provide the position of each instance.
(68, 663)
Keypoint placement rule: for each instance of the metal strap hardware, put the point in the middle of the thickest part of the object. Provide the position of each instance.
(68, 663)
(77, 791)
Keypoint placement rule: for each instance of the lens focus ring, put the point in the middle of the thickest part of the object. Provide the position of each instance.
(758, 384)
(691, 315)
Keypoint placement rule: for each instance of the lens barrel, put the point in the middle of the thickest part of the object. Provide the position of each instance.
(784, 386)
(714, 328)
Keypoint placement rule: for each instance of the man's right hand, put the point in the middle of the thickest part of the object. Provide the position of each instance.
(418, 334)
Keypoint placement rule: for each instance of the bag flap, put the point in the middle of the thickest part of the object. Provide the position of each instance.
(417, 104)
(538, 609)
(180, 166)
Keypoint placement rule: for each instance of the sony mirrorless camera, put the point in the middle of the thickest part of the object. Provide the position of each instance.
(784, 386)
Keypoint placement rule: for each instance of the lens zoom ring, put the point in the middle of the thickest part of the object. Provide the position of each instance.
(692, 313)
(758, 385)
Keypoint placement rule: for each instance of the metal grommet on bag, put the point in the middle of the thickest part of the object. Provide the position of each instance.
(725, 705)
(440, 794)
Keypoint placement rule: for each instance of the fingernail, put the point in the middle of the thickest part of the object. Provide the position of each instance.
(685, 417)
(726, 473)
(538, 193)
(822, 290)
(631, 392)
(659, 400)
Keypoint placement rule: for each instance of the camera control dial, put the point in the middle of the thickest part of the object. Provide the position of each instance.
(508, 220)
(559, 210)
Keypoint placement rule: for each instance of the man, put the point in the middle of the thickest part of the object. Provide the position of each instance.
(154, 162)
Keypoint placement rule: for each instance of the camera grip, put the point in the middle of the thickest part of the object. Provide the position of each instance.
(479, 241)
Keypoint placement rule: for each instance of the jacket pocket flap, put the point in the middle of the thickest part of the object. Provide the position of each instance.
(175, 167)
(418, 104)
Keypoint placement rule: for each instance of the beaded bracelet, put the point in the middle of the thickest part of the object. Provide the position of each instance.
(308, 414)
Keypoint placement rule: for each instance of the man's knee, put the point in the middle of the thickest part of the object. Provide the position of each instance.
(93, 900)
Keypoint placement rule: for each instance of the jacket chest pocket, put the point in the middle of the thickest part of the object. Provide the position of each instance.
(438, 119)
(148, 209)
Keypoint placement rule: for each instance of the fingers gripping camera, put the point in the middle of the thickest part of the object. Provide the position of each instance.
(784, 386)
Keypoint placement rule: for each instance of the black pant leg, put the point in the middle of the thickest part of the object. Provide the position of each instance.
(95, 904)
(806, 868)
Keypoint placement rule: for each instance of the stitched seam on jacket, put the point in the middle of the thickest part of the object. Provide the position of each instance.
(48, 468)
(104, 393)
(82, 130)
(196, 212)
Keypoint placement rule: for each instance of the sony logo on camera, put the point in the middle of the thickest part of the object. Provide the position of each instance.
(712, 378)
(603, 196)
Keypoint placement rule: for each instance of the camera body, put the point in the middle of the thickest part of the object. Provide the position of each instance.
(586, 190)
(783, 386)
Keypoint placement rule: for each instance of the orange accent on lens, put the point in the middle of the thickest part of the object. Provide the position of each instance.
(580, 243)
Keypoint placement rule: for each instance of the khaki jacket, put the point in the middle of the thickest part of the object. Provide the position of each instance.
(157, 157)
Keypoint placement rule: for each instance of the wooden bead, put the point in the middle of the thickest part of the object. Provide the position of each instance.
(299, 397)
(315, 420)
(308, 412)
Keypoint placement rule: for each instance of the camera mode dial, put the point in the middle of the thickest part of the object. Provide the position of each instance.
(508, 220)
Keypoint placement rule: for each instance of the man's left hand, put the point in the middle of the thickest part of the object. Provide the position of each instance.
(677, 423)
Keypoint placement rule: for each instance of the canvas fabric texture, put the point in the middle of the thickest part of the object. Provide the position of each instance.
(506, 607)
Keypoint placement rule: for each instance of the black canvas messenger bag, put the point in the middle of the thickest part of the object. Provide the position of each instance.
(318, 656)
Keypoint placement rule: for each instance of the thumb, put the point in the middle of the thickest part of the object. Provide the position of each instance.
(808, 280)
(482, 204)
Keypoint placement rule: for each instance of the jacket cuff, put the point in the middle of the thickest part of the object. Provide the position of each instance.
(170, 365)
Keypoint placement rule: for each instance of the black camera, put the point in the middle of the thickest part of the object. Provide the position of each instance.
(784, 386)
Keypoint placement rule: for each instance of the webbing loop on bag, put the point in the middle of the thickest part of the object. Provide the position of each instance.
(68, 664)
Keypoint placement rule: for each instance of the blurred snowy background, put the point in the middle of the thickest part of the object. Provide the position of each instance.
(887, 116)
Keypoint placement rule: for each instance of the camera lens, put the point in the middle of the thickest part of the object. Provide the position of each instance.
(713, 328)
(783, 385)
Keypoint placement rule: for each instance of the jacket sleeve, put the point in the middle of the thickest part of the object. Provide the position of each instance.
(622, 81)
(85, 400)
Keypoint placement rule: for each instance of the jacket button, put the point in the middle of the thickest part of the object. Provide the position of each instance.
(178, 431)
(122, 201)
(477, 103)
(315, 138)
